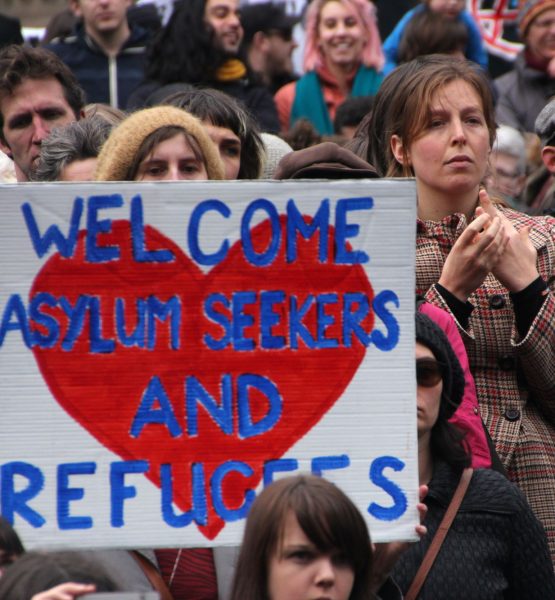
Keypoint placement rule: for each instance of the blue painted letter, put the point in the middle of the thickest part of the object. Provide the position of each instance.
(67, 494)
(387, 513)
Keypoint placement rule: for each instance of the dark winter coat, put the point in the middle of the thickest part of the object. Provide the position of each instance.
(256, 98)
(495, 549)
(104, 79)
(521, 94)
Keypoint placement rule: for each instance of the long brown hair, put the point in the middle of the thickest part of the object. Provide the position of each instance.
(328, 518)
(402, 105)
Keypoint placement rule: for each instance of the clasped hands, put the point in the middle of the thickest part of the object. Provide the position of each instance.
(490, 244)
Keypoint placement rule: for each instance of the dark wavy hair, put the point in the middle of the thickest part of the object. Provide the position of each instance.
(18, 63)
(328, 518)
(11, 546)
(184, 50)
(37, 572)
(447, 443)
(221, 110)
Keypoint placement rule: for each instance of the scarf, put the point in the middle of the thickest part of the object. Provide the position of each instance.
(231, 70)
(309, 100)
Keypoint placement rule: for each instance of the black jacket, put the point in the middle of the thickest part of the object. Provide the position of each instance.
(104, 79)
(10, 31)
(495, 549)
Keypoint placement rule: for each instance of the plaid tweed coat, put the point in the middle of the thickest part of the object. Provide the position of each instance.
(515, 378)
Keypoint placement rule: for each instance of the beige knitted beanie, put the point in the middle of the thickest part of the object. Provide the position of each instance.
(124, 142)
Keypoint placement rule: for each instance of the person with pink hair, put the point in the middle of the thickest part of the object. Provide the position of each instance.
(343, 57)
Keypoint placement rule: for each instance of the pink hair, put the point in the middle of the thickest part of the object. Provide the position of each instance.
(372, 54)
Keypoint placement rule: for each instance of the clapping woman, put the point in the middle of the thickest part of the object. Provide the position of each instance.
(491, 267)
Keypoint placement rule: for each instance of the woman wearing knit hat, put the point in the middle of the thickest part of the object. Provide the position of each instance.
(157, 144)
(524, 91)
(496, 547)
(160, 143)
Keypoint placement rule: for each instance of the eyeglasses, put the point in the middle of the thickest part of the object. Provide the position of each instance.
(428, 371)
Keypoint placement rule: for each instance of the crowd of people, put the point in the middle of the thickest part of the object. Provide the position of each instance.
(205, 90)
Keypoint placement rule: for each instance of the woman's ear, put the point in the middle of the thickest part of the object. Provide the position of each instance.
(548, 157)
(397, 150)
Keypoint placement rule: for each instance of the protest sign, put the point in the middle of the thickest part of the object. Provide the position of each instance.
(167, 349)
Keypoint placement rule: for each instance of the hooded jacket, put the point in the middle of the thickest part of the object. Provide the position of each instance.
(105, 79)
(521, 94)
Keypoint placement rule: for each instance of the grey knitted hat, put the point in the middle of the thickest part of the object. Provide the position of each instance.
(545, 123)
(275, 149)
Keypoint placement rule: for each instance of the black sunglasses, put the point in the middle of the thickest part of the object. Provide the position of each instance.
(428, 371)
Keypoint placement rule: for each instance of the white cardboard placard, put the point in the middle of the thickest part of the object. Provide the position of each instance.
(166, 348)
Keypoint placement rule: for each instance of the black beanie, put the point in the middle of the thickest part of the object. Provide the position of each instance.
(432, 336)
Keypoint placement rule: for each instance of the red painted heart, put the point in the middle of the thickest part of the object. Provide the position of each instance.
(102, 391)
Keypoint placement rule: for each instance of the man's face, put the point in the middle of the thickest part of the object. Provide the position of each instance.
(280, 46)
(101, 16)
(30, 114)
(223, 17)
(540, 37)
